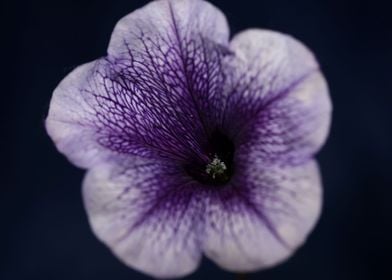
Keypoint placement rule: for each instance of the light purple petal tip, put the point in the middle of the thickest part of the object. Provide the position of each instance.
(162, 23)
(70, 120)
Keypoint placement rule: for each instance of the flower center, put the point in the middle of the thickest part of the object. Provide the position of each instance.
(219, 169)
(216, 168)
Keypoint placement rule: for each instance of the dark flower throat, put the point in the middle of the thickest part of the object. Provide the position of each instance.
(220, 150)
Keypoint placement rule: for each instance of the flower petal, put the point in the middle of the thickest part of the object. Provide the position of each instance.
(276, 88)
(168, 24)
(176, 47)
(293, 128)
(155, 92)
(263, 217)
(70, 119)
(147, 213)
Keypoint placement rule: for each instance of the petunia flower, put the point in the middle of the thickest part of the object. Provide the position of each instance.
(195, 144)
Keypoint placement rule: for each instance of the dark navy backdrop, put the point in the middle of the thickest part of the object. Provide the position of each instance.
(44, 231)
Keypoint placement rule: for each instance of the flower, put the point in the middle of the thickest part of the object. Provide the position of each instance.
(193, 144)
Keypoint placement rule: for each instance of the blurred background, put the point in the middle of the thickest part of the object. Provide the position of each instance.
(44, 230)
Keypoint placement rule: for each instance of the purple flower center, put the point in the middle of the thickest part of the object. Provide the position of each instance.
(220, 167)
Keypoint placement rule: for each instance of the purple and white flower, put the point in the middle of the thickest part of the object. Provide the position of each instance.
(195, 144)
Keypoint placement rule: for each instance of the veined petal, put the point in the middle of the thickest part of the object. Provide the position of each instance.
(274, 84)
(293, 128)
(70, 121)
(173, 23)
(147, 213)
(172, 51)
(263, 217)
(155, 93)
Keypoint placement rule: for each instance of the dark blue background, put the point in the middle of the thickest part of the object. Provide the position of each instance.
(44, 231)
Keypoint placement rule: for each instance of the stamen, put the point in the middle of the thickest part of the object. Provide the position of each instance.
(216, 167)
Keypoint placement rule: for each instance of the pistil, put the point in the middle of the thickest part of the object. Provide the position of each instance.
(216, 168)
